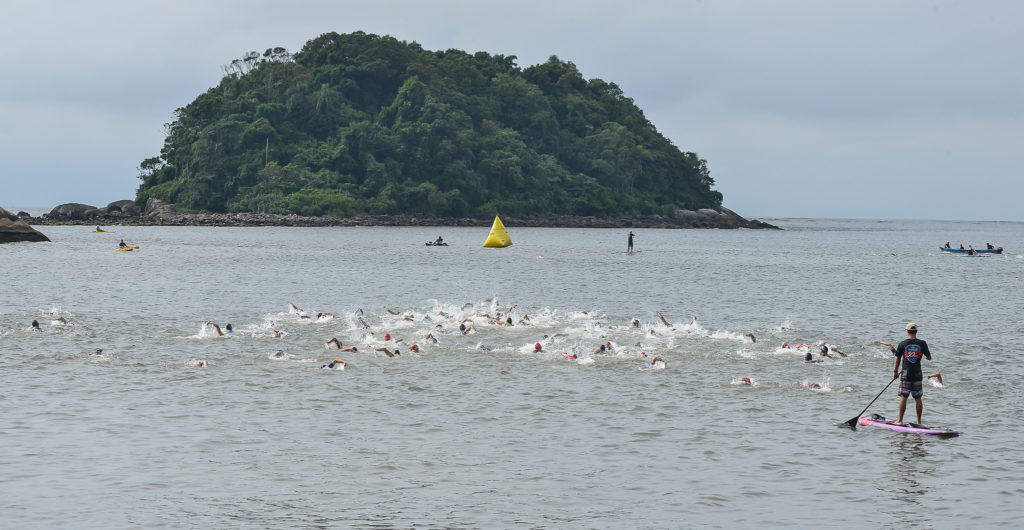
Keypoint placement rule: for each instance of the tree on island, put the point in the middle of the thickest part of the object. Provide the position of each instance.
(361, 123)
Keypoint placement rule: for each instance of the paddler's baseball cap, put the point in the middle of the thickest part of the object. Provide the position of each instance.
(912, 327)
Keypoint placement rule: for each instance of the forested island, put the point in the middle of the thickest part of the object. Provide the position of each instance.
(365, 125)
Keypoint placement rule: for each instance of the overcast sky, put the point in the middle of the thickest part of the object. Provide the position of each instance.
(872, 109)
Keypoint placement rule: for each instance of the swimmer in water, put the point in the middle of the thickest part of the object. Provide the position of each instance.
(388, 352)
(335, 363)
(936, 376)
(334, 341)
(292, 308)
(414, 348)
(198, 363)
(815, 386)
(389, 310)
(215, 325)
(324, 316)
(353, 349)
(35, 326)
(362, 323)
(635, 324)
(227, 329)
(656, 360)
(600, 350)
(59, 321)
(279, 354)
(750, 336)
(430, 337)
(663, 321)
(537, 347)
(746, 381)
(275, 333)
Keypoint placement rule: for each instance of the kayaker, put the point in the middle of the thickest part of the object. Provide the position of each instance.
(98, 229)
(909, 352)
(439, 241)
(122, 245)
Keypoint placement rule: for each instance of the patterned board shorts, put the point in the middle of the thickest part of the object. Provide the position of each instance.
(913, 389)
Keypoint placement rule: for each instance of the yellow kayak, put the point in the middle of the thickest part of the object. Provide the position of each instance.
(102, 232)
(126, 249)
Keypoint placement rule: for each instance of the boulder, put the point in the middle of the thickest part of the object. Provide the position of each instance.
(126, 207)
(73, 210)
(13, 229)
(156, 206)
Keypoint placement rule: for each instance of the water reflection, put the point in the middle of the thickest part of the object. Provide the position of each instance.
(904, 483)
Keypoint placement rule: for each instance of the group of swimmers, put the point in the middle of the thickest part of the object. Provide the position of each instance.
(440, 323)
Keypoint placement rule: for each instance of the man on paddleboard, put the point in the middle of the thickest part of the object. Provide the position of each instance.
(909, 352)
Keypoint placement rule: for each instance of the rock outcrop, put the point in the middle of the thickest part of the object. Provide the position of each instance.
(13, 229)
(158, 213)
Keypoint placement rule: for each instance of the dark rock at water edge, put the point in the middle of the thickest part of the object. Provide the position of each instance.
(157, 213)
(14, 229)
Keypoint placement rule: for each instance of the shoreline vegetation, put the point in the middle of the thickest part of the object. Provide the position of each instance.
(370, 128)
(158, 213)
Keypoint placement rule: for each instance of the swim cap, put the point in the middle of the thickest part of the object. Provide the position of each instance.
(387, 336)
(785, 344)
(824, 349)
(536, 347)
(608, 344)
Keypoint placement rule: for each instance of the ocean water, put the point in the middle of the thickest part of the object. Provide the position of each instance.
(479, 430)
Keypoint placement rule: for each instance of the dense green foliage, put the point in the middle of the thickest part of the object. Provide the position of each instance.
(362, 123)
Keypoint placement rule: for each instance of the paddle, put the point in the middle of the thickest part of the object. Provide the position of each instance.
(853, 422)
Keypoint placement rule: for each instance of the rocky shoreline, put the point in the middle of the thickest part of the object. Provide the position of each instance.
(158, 213)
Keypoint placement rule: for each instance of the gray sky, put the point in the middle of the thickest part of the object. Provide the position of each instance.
(873, 109)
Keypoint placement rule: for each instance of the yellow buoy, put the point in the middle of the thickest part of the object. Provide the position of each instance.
(498, 238)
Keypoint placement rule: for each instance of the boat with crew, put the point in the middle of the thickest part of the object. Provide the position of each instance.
(976, 250)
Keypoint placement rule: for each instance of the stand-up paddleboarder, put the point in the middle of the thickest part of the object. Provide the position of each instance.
(629, 247)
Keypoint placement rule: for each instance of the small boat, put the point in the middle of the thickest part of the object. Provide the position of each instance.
(102, 232)
(435, 244)
(126, 249)
(978, 250)
(874, 420)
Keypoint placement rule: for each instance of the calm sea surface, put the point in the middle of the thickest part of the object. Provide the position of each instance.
(478, 430)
